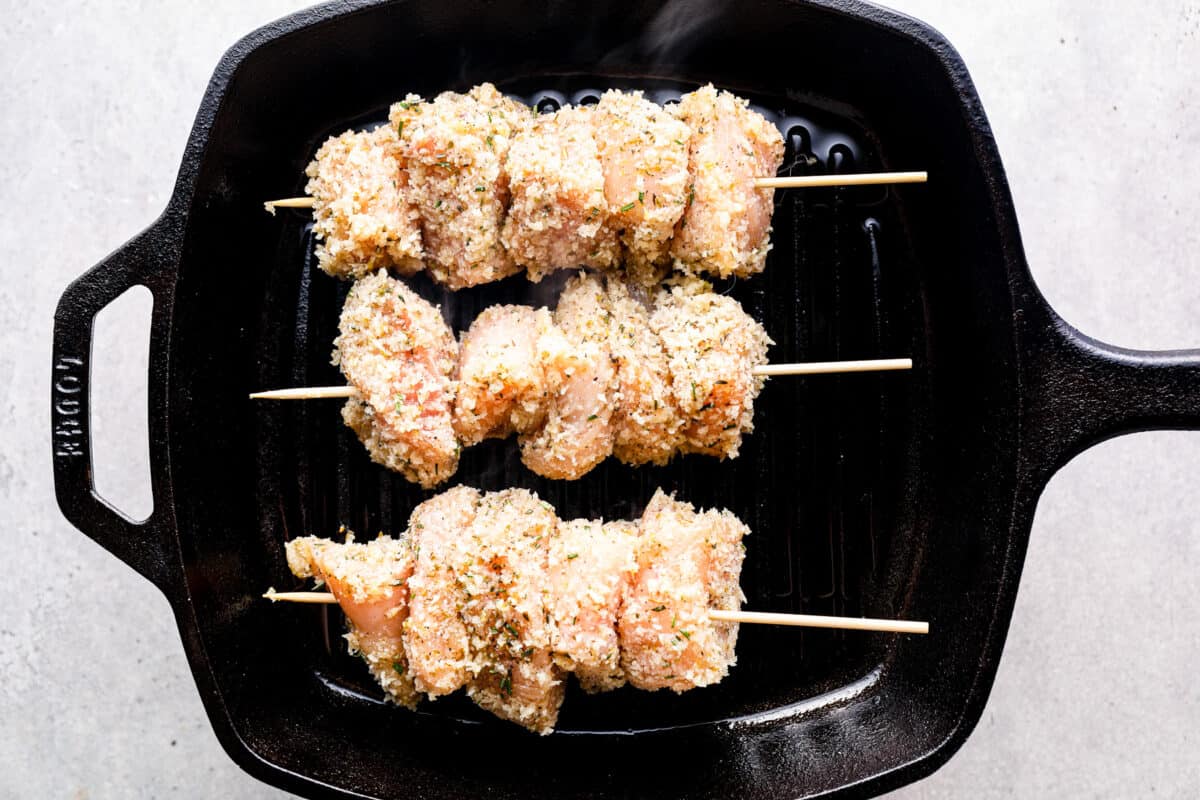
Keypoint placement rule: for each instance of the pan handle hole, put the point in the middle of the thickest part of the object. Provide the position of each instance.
(119, 402)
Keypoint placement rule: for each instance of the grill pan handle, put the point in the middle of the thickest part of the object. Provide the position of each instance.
(141, 545)
(1081, 391)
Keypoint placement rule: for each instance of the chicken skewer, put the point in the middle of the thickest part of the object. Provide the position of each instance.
(475, 186)
(778, 182)
(608, 373)
(492, 593)
(766, 370)
(743, 617)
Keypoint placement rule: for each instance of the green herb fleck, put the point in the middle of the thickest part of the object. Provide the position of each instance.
(572, 555)
(396, 665)
(679, 142)
(659, 608)
(592, 417)
(400, 128)
(642, 197)
(512, 631)
(627, 207)
(480, 188)
(686, 634)
(490, 143)
(506, 685)
(405, 105)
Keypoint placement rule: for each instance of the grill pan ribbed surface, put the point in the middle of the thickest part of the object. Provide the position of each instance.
(808, 480)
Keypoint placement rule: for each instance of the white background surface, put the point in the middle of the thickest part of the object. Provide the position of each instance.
(1094, 106)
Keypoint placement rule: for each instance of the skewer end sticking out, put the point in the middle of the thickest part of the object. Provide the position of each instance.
(304, 393)
(832, 367)
(322, 598)
(852, 179)
(288, 202)
(818, 621)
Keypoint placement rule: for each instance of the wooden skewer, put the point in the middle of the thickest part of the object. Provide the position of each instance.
(860, 179)
(747, 617)
(805, 368)
(779, 182)
(288, 202)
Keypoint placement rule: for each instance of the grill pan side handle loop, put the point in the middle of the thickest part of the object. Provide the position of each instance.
(140, 544)
(1079, 391)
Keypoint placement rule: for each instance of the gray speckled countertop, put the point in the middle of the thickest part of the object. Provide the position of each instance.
(1095, 107)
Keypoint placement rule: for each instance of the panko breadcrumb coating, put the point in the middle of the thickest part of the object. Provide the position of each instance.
(648, 426)
(644, 152)
(435, 637)
(370, 583)
(726, 226)
(609, 373)
(363, 220)
(591, 566)
(510, 363)
(688, 564)
(578, 431)
(494, 592)
(399, 355)
(500, 561)
(712, 346)
(558, 214)
(454, 148)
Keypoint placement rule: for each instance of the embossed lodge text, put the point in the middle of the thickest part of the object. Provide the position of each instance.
(68, 407)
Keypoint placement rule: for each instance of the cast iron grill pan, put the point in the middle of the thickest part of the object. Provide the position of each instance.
(891, 495)
(807, 481)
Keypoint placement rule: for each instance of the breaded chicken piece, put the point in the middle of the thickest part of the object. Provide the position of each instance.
(648, 426)
(558, 217)
(369, 583)
(712, 346)
(726, 226)
(578, 432)
(511, 363)
(399, 355)
(500, 561)
(363, 218)
(591, 566)
(688, 564)
(454, 148)
(644, 152)
(435, 638)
